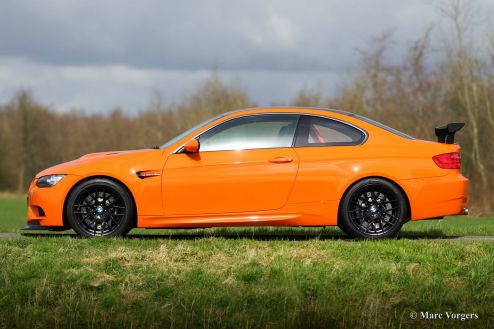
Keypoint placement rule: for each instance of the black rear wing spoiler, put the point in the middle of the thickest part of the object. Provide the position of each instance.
(446, 134)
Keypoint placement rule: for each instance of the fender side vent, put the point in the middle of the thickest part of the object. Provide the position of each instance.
(147, 174)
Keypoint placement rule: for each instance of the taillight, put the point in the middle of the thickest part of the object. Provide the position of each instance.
(448, 160)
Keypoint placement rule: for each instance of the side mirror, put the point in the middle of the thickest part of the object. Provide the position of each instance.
(192, 146)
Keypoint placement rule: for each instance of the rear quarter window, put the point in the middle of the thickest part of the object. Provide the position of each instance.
(318, 131)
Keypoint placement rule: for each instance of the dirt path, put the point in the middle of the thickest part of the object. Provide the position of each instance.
(13, 235)
(4, 236)
(474, 238)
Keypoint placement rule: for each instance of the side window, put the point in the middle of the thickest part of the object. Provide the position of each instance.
(251, 132)
(317, 131)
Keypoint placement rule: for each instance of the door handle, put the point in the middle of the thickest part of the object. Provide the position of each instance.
(281, 160)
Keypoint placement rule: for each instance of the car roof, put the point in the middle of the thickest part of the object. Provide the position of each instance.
(303, 110)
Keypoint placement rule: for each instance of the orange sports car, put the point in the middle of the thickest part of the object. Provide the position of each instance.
(264, 166)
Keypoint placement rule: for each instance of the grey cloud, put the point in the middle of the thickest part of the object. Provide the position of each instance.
(101, 88)
(98, 54)
(194, 35)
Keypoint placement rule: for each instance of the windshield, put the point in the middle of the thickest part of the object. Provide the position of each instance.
(188, 131)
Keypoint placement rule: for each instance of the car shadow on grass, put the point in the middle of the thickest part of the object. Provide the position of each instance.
(260, 236)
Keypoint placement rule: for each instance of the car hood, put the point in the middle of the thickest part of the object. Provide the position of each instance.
(98, 161)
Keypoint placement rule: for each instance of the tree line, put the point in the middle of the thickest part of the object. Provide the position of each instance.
(438, 81)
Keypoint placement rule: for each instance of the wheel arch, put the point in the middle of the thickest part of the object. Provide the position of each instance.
(85, 179)
(408, 207)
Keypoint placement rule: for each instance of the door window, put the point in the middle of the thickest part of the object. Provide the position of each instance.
(251, 132)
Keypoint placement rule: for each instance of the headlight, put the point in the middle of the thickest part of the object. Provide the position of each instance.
(49, 181)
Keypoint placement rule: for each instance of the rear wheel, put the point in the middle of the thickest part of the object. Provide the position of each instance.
(373, 208)
(100, 207)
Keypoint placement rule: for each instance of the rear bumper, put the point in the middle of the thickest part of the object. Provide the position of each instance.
(45, 205)
(438, 196)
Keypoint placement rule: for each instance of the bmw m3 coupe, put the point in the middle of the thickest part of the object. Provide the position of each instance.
(263, 166)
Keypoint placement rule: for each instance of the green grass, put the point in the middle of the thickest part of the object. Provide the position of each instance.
(13, 213)
(245, 278)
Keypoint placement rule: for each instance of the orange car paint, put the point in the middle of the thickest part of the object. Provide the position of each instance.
(192, 146)
(300, 186)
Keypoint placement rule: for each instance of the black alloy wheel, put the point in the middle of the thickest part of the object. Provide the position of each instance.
(100, 207)
(373, 208)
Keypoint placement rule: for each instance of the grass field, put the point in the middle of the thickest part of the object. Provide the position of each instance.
(246, 277)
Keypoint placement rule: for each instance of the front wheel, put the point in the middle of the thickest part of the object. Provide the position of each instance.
(100, 207)
(373, 208)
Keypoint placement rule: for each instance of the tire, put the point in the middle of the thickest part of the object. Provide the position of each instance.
(100, 207)
(373, 208)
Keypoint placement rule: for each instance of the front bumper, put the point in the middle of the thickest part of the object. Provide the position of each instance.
(34, 225)
(45, 205)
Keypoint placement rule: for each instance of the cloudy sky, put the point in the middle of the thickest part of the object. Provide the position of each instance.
(98, 54)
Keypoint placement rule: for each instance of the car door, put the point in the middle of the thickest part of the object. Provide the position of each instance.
(244, 164)
(327, 148)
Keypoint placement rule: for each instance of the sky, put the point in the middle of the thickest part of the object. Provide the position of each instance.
(96, 55)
